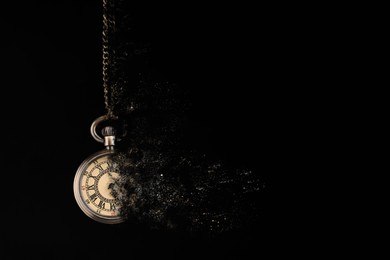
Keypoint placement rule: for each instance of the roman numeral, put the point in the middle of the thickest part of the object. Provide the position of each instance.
(93, 197)
(110, 167)
(112, 207)
(91, 187)
(101, 204)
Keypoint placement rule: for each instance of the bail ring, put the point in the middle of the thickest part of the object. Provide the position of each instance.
(93, 128)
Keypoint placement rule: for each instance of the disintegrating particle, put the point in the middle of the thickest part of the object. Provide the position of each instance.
(164, 183)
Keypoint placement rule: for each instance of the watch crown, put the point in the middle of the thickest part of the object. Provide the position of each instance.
(108, 131)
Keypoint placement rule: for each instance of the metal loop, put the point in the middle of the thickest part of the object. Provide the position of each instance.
(97, 122)
(93, 128)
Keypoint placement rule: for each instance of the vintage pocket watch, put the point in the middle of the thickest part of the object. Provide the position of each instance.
(95, 179)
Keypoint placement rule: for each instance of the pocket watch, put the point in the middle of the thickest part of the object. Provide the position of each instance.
(95, 178)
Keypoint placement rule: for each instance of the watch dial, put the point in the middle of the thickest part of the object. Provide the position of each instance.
(96, 186)
(96, 182)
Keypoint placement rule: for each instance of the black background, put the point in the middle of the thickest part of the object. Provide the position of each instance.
(229, 56)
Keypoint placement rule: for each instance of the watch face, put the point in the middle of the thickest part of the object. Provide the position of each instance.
(93, 188)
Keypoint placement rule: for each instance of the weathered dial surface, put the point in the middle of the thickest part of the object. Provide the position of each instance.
(93, 185)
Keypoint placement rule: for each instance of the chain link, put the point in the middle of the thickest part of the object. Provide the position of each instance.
(108, 53)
